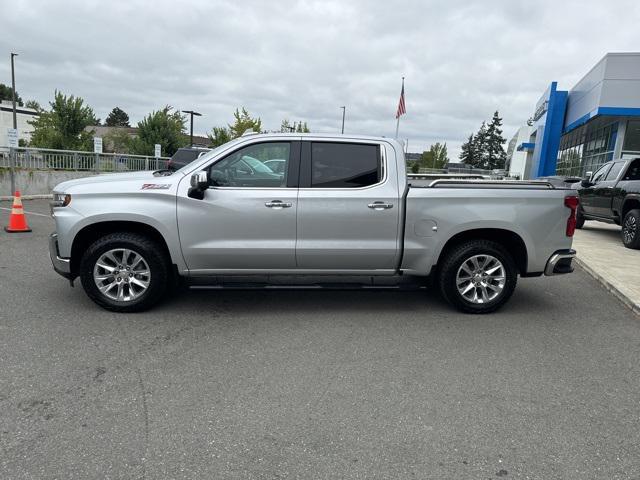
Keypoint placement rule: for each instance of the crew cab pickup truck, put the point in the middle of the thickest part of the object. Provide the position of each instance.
(612, 194)
(342, 210)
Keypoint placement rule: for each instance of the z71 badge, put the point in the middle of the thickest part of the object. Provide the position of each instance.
(155, 186)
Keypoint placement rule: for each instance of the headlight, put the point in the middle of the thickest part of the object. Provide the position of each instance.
(60, 200)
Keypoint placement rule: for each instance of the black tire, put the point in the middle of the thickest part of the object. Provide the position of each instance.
(630, 226)
(452, 262)
(580, 218)
(153, 254)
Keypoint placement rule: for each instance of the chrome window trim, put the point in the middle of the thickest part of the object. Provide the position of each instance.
(384, 169)
(244, 145)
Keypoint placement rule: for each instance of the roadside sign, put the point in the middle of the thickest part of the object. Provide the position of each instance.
(158, 151)
(12, 135)
(97, 145)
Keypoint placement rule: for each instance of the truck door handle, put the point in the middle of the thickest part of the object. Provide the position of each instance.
(278, 204)
(380, 205)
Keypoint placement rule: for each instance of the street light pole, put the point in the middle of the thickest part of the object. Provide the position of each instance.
(13, 93)
(191, 113)
(12, 153)
(344, 109)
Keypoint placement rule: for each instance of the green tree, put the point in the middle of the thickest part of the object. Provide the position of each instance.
(117, 118)
(302, 128)
(286, 127)
(33, 104)
(468, 153)
(436, 157)
(243, 122)
(119, 141)
(219, 136)
(299, 127)
(65, 125)
(439, 152)
(495, 157)
(165, 127)
(6, 93)
(480, 147)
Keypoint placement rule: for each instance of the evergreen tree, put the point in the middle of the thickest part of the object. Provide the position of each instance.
(495, 156)
(298, 127)
(33, 104)
(117, 118)
(467, 153)
(480, 147)
(286, 127)
(6, 93)
(302, 127)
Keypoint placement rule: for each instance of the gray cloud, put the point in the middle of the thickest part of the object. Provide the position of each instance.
(303, 60)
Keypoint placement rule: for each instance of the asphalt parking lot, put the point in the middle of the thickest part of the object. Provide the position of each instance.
(312, 384)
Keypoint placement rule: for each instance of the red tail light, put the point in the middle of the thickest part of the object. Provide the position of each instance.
(572, 203)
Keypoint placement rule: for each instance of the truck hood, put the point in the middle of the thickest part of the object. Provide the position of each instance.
(115, 177)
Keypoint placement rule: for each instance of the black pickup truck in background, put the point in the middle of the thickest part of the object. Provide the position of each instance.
(612, 195)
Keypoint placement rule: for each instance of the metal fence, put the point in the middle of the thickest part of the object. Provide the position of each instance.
(48, 159)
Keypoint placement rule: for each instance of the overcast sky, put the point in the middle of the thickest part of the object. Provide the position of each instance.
(303, 60)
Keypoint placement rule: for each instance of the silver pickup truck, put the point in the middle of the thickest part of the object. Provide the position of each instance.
(337, 209)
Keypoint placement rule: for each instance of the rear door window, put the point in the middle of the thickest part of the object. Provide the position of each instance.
(345, 165)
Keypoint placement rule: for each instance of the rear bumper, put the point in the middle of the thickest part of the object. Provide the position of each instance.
(60, 265)
(560, 262)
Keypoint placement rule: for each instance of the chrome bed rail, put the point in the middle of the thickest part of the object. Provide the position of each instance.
(447, 183)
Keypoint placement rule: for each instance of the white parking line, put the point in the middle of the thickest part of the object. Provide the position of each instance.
(30, 213)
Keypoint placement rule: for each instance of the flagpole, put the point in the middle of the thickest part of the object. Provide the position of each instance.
(398, 119)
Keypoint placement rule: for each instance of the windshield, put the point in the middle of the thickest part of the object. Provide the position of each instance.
(208, 155)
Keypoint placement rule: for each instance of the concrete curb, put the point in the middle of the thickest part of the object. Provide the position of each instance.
(9, 198)
(634, 307)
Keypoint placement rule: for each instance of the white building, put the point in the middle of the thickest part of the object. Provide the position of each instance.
(23, 116)
(519, 153)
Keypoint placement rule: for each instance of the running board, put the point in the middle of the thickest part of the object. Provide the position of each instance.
(306, 282)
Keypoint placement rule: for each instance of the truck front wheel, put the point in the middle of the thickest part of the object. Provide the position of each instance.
(477, 276)
(124, 272)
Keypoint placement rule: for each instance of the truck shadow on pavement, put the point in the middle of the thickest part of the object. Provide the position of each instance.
(427, 302)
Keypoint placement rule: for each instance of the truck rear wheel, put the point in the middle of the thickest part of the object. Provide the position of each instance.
(124, 272)
(630, 226)
(477, 276)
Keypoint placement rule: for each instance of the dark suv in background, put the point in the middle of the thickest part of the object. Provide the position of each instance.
(185, 156)
(612, 194)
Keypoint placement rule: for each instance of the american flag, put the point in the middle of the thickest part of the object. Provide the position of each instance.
(401, 107)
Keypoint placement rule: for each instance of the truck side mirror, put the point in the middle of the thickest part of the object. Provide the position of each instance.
(199, 183)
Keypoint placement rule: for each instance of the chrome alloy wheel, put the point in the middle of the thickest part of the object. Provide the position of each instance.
(480, 278)
(122, 274)
(629, 229)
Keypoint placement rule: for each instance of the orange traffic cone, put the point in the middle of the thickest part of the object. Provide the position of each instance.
(17, 220)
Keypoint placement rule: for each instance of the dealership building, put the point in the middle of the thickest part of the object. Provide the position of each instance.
(575, 131)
